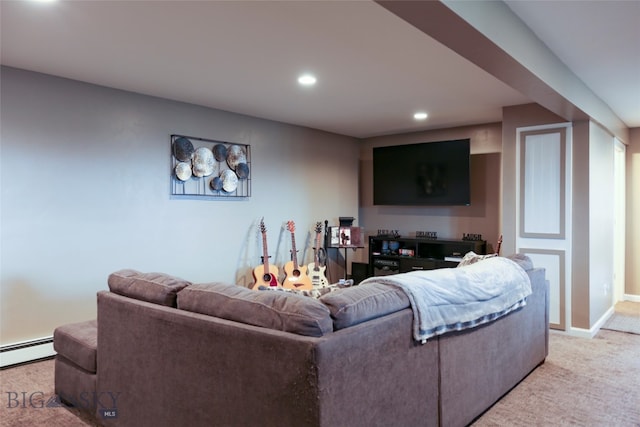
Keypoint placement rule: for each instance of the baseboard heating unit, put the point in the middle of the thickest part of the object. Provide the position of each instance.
(26, 351)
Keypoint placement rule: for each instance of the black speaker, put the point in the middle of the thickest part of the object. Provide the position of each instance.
(359, 272)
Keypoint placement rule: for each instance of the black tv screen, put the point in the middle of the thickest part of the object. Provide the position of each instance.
(426, 174)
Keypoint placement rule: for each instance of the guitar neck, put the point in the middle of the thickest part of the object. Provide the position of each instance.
(265, 254)
(294, 255)
(316, 257)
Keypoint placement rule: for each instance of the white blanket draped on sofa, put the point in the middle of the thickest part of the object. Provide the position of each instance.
(452, 299)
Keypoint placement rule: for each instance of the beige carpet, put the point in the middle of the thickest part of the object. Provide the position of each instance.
(584, 382)
(629, 308)
(26, 392)
(625, 319)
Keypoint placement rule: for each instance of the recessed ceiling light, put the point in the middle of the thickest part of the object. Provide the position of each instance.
(307, 80)
(420, 115)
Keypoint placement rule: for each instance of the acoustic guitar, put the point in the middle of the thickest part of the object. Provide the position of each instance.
(265, 274)
(316, 269)
(296, 276)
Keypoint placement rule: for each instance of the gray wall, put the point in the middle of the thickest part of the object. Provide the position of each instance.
(85, 183)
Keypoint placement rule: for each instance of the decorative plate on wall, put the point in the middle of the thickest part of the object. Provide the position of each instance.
(209, 168)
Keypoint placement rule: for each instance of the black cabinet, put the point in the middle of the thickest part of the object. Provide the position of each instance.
(399, 255)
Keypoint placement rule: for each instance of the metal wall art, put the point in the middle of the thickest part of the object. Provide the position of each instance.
(204, 167)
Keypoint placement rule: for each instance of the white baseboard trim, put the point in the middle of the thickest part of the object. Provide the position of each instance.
(629, 297)
(590, 333)
(26, 351)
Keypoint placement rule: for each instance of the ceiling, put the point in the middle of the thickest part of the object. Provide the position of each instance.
(374, 70)
(598, 40)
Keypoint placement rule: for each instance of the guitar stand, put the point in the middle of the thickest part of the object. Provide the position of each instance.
(345, 262)
(345, 258)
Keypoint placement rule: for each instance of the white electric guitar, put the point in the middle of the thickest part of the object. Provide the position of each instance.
(316, 270)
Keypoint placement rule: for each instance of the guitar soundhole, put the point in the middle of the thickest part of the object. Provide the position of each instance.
(267, 278)
(296, 273)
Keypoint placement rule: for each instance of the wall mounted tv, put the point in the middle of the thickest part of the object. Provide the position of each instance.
(425, 174)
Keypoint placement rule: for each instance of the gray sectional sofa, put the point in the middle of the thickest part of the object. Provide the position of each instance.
(172, 353)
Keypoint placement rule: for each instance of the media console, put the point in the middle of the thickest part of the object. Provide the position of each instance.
(389, 255)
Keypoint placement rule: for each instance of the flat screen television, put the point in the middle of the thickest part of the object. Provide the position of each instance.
(425, 174)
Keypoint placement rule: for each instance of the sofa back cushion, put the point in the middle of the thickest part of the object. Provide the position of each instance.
(275, 310)
(522, 260)
(158, 288)
(358, 304)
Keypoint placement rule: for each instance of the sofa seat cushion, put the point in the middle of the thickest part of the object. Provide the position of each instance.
(78, 343)
(283, 311)
(158, 288)
(358, 304)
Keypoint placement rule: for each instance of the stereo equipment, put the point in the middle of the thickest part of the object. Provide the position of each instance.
(385, 267)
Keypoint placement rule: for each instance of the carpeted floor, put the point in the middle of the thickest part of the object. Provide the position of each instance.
(584, 382)
(628, 308)
(625, 319)
(28, 399)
